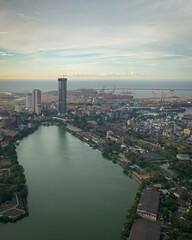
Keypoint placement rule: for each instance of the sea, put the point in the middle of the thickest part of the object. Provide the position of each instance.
(138, 88)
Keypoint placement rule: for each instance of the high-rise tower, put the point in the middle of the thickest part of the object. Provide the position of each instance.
(36, 101)
(62, 93)
(29, 100)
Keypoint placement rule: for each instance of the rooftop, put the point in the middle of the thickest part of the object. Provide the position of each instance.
(149, 201)
(145, 230)
(155, 156)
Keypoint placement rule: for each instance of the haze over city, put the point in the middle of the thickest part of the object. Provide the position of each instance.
(143, 39)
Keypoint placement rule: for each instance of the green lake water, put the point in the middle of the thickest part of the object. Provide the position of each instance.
(74, 193)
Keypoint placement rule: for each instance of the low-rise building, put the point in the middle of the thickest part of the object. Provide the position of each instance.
(98, 140)
(145, 230)
(183, 157)
(113, 137)
(156, 157)
(19, 107)
(7, 123)
(187, 131)
(148, 204)
(84, 134)
(73, 128)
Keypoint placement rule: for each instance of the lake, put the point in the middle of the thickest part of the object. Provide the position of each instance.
(74, 193)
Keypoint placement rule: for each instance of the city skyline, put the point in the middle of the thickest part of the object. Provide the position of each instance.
(141, 39)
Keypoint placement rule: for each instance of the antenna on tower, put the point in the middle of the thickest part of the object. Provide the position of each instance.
(64, 75)
(113, 91)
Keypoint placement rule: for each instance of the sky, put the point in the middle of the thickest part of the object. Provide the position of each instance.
(89, 39)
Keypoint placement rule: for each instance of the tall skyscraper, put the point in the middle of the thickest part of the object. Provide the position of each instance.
(36, 101)
(29, 100)
(62, 93)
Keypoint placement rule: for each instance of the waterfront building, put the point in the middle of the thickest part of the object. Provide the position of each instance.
(36, 101)
(62, 95)
(148, 204)
(29, 100)
(98, 140)
(145, 230)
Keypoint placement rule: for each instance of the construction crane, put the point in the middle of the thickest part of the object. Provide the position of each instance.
(162, 95)
(113, 91)
(153, 94)
(102, 91)
(171, 93)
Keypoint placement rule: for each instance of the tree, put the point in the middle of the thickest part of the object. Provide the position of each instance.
(16, 168)
(170, 204)
(185, 195)
(174, 234)
(165, 212)
(5, 195)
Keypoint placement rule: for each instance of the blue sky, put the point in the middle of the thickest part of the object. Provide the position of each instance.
(86, 39)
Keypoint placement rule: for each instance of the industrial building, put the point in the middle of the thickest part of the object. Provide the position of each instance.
(145, 230)
(148, 204)
(62, 94)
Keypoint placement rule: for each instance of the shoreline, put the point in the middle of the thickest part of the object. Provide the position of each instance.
(97, 147)
(17, 208)
(55, 125)
(92, 145)
(130, 216)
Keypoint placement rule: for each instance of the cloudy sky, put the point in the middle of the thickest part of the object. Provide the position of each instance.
(89, 39)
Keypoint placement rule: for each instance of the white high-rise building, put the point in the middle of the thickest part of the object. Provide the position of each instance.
(29, 100)
(38, 109)
(36, 101)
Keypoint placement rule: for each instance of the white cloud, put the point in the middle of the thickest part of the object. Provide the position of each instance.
(27, 18)
(2, 53)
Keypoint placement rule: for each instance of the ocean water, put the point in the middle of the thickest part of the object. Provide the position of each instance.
(139, 88)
